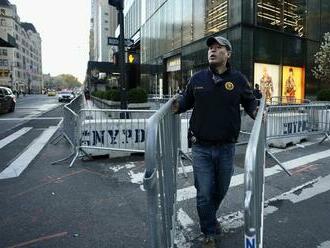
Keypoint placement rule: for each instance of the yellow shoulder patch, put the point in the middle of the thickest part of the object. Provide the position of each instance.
(229, 86)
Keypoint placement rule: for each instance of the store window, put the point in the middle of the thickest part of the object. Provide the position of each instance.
(284, 15)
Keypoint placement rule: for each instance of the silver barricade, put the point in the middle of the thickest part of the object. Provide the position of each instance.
(71, 126)
(104, 130)
(161, 157)
(254, 182)
(297, 120)
(283, 100)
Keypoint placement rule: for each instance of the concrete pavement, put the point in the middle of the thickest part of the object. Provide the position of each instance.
(101, 202)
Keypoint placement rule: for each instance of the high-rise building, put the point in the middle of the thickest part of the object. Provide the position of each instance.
(103, 25)
(20, 52)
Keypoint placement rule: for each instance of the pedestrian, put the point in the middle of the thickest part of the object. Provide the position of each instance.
(257, 93)
(215, 94)
(87, 94)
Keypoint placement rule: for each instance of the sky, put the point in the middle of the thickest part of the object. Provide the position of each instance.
(64, 29)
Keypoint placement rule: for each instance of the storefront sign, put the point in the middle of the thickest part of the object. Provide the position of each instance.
(173, 64)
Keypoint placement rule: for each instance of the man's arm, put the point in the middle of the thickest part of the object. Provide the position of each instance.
(185, 101)
(248, 100)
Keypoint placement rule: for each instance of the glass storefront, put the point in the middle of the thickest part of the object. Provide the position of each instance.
(274, 32)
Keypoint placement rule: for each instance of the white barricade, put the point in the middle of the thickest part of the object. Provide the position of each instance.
(293, 125)
(101, 131)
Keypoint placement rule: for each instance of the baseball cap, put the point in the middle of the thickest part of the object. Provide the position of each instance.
(220, 40)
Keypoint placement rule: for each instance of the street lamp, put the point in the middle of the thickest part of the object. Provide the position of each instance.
(119, 4)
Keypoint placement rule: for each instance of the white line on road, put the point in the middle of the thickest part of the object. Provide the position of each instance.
(319, 186)
(14, 136)
(190, 192)
(184, 219)
(325, 244)
(31, 118)
(21, 163)
(189, 168)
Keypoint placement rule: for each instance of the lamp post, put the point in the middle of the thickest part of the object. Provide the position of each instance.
(119, 4)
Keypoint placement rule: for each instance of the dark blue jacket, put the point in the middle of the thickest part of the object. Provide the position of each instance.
(215, 99)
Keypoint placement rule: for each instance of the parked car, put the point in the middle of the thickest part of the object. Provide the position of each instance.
(7, 100)
(51, 93)
(65, 96)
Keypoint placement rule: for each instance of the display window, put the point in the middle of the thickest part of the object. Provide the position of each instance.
(293, 83)
(267, 76)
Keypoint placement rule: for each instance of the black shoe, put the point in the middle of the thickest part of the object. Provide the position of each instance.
(209, 242)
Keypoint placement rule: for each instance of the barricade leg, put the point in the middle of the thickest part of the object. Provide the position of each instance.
(326, 137)
(277, 161)
(182, 154)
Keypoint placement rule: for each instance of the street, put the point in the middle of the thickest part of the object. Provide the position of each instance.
(101, 202)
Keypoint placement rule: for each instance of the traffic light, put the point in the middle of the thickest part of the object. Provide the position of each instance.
(119, 4)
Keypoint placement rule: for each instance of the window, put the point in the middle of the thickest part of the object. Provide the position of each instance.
(3, 52)
(217, 16)
(285, 15)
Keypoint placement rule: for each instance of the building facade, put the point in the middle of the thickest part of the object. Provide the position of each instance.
(21, 64)
(271, 38)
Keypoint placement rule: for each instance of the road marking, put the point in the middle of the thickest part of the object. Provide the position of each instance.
(273, 150)
(190, 192)
(14, 136)
(48, 237)
(20, 163)
(319, 186)
(184, 219)
(31, 118)
(325, 244)
(236, 219)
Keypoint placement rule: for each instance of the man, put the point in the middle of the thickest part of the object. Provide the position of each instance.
(256, 92)
(215, 94)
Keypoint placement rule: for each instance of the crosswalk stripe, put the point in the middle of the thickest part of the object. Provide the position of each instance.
(14, 136)
(29, 118)
(189, 168)
(21, 162)
(190, 192)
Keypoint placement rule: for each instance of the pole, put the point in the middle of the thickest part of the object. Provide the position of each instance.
(122, 69)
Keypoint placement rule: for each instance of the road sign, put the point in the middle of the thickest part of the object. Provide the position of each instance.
(113, 41)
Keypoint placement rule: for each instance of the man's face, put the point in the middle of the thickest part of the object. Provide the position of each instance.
(218, 54)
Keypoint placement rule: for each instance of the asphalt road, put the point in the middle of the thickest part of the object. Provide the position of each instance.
(101, 202)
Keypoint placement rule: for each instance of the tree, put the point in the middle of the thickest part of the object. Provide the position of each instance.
(321, 69)
(66, 81)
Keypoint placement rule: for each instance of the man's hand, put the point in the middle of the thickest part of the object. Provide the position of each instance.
(175, 105)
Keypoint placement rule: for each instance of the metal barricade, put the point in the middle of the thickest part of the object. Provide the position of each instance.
(104, 130)
(292, 123)
(254, 182)
(283, 100)
(161, 157)
(71, 128)
(297, 120)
